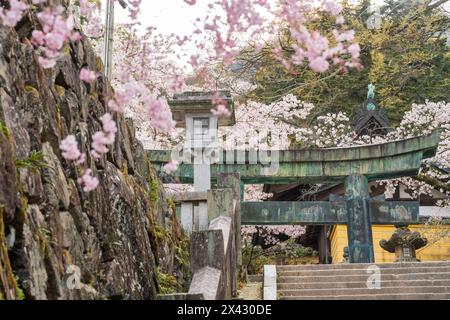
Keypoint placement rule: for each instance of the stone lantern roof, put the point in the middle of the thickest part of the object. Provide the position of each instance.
(200, 102)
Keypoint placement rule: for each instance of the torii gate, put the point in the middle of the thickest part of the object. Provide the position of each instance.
(354, 165)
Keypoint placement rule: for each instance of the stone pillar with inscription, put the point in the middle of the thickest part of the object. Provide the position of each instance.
(359, 227)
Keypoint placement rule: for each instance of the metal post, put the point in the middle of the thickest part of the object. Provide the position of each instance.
(109, 36)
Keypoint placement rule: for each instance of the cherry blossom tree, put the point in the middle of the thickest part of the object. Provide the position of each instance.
(135, 83)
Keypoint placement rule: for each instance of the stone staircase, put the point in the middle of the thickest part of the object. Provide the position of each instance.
(399, 281)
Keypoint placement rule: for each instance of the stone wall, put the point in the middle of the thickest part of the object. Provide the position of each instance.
(123, 237)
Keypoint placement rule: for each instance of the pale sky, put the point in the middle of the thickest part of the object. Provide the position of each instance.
(173, 16)
(170, 16)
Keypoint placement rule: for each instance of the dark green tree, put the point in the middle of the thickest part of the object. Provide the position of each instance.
(406, 56)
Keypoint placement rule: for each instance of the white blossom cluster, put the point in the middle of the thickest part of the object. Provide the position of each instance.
(264, 126)
(331, 130)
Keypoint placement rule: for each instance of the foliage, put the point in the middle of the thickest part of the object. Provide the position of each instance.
(154, 193)
(4, 129)
(167, 283)
(407, 58)
(161, 233)
(182, 250)
(44, 237)
(20, 295)
(285, 253)
(34, 161)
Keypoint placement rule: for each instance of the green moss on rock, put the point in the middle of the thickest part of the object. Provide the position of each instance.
(7, 279)
(99, 63)
(32, 90)
(167, 283)
(60, 90)
(4, 129)
(20, 295)
(34, 161)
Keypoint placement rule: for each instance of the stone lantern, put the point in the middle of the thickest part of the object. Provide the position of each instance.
(404, 244)
(192, 110)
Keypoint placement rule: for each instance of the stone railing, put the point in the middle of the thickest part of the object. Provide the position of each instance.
(215, 253)
(270, 282)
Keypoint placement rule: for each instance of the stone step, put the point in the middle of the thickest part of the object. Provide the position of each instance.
(362, 277)
(364, 271)
(402, 296)
(363, 291)
(361, 284)
(255, 278)
(362, 265)
(399, 281)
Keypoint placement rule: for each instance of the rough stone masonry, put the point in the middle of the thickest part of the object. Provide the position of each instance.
(116, 240)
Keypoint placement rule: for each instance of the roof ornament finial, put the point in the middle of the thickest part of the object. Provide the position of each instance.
(371, 92)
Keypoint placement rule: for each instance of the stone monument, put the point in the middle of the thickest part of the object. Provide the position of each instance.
(192, 110)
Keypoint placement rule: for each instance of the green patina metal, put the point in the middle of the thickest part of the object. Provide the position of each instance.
(359, 224)
(325, 212)
(371, 106)
(371, 92)
(381, 161)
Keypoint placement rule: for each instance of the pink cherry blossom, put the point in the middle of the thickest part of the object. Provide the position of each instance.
(319, 64)
(101, 139)
(12, 16)
(221, 111)
(56, 31)
(109, 126)
(87, 75)
(88, 182)
(354, 50)
(69, 146)
(178, 84)
(171, 167)
(159, 113)
(332, 6)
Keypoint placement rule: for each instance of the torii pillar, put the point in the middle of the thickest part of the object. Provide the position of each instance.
(359, 227)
